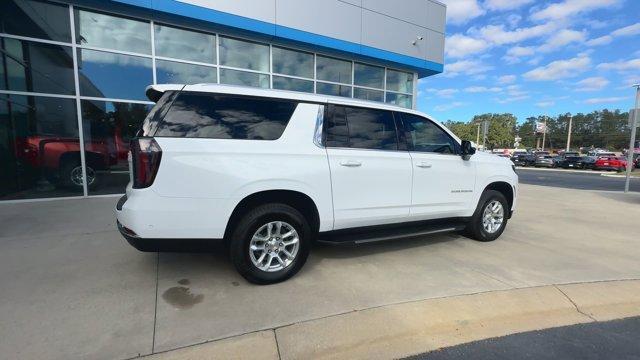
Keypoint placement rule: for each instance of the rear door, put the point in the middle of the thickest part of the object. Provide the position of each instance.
(370, 171)
(443, 183)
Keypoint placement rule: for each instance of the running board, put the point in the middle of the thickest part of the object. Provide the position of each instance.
(372, 234)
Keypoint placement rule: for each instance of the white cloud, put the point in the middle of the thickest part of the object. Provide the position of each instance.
(628, 30)
(562, 38)
(449, 106)
(465, 67)
(497, 5)
(498, 35)
(446, 93)
(507, 79)
(605, 100)
(482, 89)
(458, 45)
(544, 104)
(606, 39)
(565, 9)
(511, 99)
(518, 51)
(559, 69)
(461, 11)
(592, 84)
(621, 65)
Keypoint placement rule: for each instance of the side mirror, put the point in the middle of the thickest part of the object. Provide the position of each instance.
(467, 149)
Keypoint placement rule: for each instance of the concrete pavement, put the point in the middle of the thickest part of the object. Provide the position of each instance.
(73, 288)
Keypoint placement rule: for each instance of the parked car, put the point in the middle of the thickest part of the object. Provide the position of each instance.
(544, 161)
(572, 162)
(617, 163)
(270, 171)
(524, 160)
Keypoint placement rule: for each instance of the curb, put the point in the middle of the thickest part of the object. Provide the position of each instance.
(405, 329)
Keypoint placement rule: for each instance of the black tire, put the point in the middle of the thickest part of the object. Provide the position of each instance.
(474, 228)
(66, 174)
(240, 239)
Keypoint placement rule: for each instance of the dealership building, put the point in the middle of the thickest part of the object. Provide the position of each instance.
(73, 73)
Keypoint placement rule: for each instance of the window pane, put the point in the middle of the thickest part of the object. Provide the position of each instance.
(38, 19)
(366, 94)
(425, 136)
(336, 133)
(112, 32)
(369, 76)
(399, 81)
(203, 115)
(184, 44)
(371, 129)
(244, 54)
(170, 72)
(335, 70)
(235, 77)
(400, 100)
(284, 83)
(36, 67)
(333, 89)
(108, 128)
(39, 147)
(104, 74)
(290, 62)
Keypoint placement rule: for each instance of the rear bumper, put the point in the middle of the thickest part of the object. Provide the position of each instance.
(168, 245)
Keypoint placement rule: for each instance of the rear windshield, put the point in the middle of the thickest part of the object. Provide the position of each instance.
(150, 123)
(217, 116)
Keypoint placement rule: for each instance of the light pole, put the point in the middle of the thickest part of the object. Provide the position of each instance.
(634, 125)
(544, 132)
(569, 133)
(478, 135)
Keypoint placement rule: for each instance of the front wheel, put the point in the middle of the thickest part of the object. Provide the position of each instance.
(270, 244)
(490, 218)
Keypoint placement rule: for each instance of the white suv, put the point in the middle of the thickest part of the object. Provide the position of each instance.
(270, 172)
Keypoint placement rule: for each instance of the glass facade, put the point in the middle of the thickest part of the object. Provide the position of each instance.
(72, 84)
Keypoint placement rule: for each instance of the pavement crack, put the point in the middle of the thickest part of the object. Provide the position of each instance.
(574, 304)
(155, 310)
(275, 336)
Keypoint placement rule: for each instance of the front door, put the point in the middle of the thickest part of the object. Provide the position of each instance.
(370, 177)
(443, 183)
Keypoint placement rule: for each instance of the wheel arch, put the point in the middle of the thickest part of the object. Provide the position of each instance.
(505, 189)
(296, 199)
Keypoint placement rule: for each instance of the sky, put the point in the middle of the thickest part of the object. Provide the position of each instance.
(533, 57)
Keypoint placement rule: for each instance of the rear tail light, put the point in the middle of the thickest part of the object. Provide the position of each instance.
(145, 158)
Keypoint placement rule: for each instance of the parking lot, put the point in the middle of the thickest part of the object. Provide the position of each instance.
(72, 287)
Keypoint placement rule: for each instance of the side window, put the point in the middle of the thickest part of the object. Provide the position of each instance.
(215, 116)
(371, 129)
(336, 133)
(425, 136)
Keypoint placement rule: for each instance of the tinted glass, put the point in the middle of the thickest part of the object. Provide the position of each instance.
(371, 129)
(399, 81)
(425, 136)
(335, 70)
(333, 89)
(38, 19)
(185, 44)
(244, 54)
(226, 117)
(366, 94)
(108, 127)
(336, 132)
(400, 100)
(150, 123)
(368, 75)
(104, 74)
(290, 62)
(112, 32)
(39, 147)
(171, 72)
(284, 83)
(235, 77)
(36, 67)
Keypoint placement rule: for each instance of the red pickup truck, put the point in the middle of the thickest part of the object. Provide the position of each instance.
(58, 158)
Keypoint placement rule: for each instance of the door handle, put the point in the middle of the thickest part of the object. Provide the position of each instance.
(350, 163)
(423, 164)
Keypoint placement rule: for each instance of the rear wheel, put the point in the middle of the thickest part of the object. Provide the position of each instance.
(270, 244)
(71, 175)
(490, 218)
